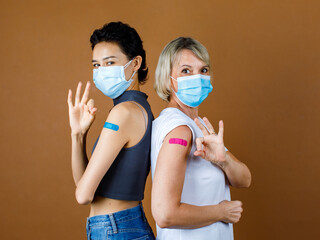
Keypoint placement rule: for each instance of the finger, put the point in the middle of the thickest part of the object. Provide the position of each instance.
(70, 98)
(90, 104)
(237, 209)
(202, 128)
(93, 111)
(221, 128)
(86, 93)
(77, 100)
(200, 154)
(209, 126)
(199, 142)
(237, 219)
(238, 203)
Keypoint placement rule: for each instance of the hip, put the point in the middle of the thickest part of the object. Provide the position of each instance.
(126, 224)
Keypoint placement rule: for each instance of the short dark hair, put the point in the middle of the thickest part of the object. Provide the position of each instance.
(127, 39)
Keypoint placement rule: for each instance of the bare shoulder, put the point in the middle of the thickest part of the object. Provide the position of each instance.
(123, 112)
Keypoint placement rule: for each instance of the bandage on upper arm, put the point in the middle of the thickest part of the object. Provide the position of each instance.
(179, 141)
(111, 126)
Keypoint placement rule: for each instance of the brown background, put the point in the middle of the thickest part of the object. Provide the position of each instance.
(266, 57)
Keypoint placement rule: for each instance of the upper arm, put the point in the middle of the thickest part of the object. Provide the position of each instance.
(108, 147)
(170, 170)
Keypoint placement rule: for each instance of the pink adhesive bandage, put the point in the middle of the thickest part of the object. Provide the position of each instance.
(178, 141)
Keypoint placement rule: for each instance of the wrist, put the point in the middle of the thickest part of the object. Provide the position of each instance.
(219, 212)
(225, 162)
(78, 135)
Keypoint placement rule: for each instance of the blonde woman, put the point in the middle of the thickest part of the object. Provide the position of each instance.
(191, 168)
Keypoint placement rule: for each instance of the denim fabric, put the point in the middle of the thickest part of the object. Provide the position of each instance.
(124, 225)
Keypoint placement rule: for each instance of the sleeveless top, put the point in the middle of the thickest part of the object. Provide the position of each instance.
(204, 182)
(126, 177)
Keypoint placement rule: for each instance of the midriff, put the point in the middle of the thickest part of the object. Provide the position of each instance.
(102, 205)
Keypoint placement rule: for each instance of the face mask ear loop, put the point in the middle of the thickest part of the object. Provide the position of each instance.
(174, 78)
(175, 91)
(132, 75)
(171, 84)
(128, 63)
(125, 66)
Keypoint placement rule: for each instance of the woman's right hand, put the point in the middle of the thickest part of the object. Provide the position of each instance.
(82, 113)
(231, 211)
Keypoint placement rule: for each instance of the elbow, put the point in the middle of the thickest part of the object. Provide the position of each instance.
(82, 198)
(246, 178)
(164, 217)
(164, 221)
(246, 182)
(249, 182)
(244, 185)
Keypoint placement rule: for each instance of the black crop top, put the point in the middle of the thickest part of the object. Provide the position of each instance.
(126, 177)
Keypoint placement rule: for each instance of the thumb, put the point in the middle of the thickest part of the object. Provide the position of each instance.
(199, 153)
(90, 104)
(221, 128)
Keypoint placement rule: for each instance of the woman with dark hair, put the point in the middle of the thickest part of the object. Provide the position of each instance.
(113, 180)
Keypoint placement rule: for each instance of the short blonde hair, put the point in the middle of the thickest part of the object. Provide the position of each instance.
(166, 61)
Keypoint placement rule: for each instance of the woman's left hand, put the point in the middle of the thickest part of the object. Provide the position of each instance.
(211, 146)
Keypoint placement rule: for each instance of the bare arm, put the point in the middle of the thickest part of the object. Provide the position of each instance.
(81, 116)
(79, 159)
(237, 172)
(167, 209)
(88, 174)
(211, 148)
(108, 147)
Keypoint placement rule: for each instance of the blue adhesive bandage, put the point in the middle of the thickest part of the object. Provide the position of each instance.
(111, 126)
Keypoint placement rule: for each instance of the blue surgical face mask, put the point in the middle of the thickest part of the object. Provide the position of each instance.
(111, 80)
(192, 90)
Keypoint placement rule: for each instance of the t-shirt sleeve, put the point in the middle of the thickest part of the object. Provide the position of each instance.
(174, 123)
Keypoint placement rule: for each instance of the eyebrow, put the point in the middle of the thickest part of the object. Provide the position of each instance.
(185, 65)
(105, 58)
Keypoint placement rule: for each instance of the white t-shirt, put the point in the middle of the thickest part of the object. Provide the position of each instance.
(204, 183)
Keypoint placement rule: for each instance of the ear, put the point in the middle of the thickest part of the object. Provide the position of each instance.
(136, 63)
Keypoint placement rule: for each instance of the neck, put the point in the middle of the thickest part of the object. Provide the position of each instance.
(189, 111)
(134, 85)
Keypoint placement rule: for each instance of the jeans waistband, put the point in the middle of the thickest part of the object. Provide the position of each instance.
(113, 219)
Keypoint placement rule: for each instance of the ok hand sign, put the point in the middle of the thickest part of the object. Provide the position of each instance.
(82, 113)
(211, 146)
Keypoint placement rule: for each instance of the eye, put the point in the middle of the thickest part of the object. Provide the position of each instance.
(185, 70)
(110, 63)
(96, 65)
(205, 70)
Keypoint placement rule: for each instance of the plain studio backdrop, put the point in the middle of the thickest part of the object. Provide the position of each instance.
(266, 66)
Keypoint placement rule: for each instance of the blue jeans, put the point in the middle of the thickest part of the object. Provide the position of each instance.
(124, 225)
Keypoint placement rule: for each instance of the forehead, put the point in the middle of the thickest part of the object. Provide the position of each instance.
(105, 49)
(187, 57)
